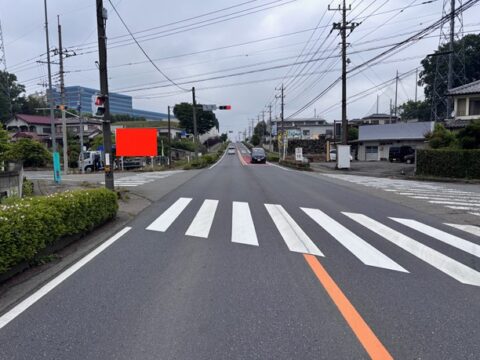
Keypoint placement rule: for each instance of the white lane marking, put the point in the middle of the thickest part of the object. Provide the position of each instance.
(453, 268)
(202, 222)
(440, 235)
(447, 198)
(472, 229)
(292, 234)
(224, 153)
(462, 207)
(475, 213)
(365, 252)
(455, 203)
(278, 166)
(243, 229)
(52, 284)
(163, 222)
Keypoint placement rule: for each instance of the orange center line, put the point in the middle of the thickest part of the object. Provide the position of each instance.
(362, 331)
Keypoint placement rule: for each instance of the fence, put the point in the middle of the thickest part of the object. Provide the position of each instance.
(11, 180)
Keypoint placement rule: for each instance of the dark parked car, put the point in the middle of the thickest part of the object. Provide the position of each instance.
(409, 159)
(398, 153)
(258, 156)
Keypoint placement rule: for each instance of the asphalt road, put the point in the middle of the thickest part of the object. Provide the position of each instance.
(260, 262)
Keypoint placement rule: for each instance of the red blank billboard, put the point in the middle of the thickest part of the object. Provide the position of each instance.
(136, 142)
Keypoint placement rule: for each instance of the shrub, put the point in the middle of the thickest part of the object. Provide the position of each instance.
(295, 164)
(30, 152)
(28, 225)
(449, 163)
(273, 157)
(27, 188)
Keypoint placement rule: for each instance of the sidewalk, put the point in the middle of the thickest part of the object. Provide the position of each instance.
(368, 168)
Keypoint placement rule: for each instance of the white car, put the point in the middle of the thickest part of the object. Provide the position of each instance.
(333, 155)
(231, 151)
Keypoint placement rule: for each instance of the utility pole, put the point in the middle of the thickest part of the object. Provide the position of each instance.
(169, 141)
(102, 57)
(396, 95)
(282, 108)
(416, 84)
(450, 58)
(50, 89)
(377, 103)
(391, 111)
(194, 112)
(343, 27)
(79, 109)
(62, 93)
(270, 126)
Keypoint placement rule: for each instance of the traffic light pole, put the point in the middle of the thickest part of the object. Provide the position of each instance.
(194, 112)
(107, 133)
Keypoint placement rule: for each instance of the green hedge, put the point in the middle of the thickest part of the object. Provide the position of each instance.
(450, 163)
(295, 164)
(273, 157)
(29, 225)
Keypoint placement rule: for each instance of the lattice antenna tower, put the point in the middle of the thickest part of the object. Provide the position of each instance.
(450, 64)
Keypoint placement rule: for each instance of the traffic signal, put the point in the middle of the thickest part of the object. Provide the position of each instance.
(61, 107)
(100, 105)
(224, 107)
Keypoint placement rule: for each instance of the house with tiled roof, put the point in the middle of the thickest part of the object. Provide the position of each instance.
(466, 100)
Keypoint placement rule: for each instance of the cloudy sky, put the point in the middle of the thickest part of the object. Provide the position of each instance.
(233, 51)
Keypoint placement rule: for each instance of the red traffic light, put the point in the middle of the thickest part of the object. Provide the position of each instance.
(100, 100)
(225, 107)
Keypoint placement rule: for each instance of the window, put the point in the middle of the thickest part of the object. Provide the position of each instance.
(306, 132)
(474, 107)
(461, 107)
(47, 130)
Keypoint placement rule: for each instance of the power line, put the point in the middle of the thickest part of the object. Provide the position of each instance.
(143, 51)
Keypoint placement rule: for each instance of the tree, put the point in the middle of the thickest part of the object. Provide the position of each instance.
(206, 120)
(4, 144)
(352, 133)
(469, 137)
(441, 137)
(33, 102)
(224, 137)
(30, 152)
(471, 47)
(10, 99)
(415, 110)
(255, 140)
(260, 129)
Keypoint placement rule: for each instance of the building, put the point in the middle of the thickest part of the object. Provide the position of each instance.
(304, 128)
(466, 102)
(376, 119)
(374, 141)
(120, 104)
(38, 127)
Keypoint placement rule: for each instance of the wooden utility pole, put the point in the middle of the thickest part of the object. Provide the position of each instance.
(396, 96)
(102, 60)
(343, 27)
(62, 93)
(194, 112)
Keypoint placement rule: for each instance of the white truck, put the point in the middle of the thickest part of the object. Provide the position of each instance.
(92, 161)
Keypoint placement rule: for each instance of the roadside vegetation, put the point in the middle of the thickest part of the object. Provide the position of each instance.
(30, 225)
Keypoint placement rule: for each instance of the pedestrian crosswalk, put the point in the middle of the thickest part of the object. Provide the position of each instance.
(244, 231)
(142, 178)
(438, 194)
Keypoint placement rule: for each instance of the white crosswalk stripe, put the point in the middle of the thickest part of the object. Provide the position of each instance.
(443, 236)
(143, 178)
(440, 194)
(475, 230)
(365, 252)
(449, 266)
(163, 222)
(243, 229)
(292, 234)
(202, 222)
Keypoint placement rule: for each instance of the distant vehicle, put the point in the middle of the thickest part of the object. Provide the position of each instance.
(398, 153)
(231, 151)
(258, 156)
(333, 155)
(409, 159)
(92, 161)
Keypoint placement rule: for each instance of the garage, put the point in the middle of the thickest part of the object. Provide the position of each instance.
(371, 153)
